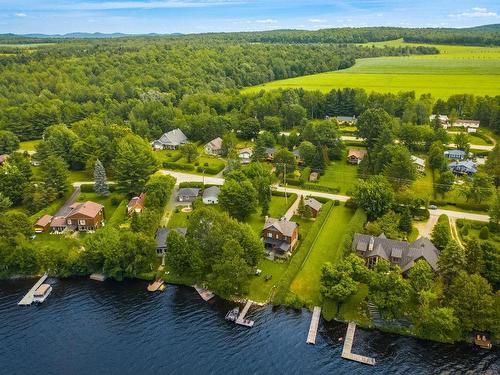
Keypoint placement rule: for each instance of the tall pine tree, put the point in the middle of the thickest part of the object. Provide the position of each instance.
(100, 180)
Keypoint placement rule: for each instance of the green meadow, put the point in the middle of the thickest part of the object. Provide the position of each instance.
(457, 69)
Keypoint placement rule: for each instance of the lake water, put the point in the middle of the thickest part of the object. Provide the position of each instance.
(87, 327)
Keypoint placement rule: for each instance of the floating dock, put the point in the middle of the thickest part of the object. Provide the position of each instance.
(241, 318)
(205, 294)
(28, 298)
(97, 277)
(313, 328)
(156, 285)
(346, 352)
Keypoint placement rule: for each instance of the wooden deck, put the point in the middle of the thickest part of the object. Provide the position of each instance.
(241, 318)
(205, 294)
(313, 328)
(28, 298)
(346, 352)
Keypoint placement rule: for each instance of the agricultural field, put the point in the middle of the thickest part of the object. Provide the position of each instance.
(457, 69)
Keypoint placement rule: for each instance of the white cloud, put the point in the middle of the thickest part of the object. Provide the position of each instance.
(316, 20)
(20, 14)
(474, 13)
(267, 21)
(111, 5)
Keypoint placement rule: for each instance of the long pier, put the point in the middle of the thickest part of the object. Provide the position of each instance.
(346, 352)
(28, 298)
(241, 318)
(313, 328)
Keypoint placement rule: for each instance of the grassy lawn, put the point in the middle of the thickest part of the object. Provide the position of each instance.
(80, 176)
(176, 156)
(260, 289)
(29, 145)
(423, 186)
(457, 69)
(352, 308)
(57, 241)
(178, 219)
(325, 249)
(340, 175)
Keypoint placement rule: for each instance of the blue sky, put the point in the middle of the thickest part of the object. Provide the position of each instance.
(195, 16)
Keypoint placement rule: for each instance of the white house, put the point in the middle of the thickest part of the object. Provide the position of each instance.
(171, 140)
(443, 119)
(419, 163)
(245, 155)
(211, 195)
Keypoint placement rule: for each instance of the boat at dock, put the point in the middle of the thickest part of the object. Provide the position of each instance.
(158, 284)
(41, 293)
(232, 315)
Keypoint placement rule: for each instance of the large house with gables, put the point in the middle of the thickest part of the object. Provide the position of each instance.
(398, 253)
(170, 141)
(280, 235)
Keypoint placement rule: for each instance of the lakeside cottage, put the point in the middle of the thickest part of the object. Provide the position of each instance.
(211, 195)
(355, 156)
(280, 235)
(455, 154)
(161, 238)
(170, 141)
(214, 147)
(83, 217)
(398, 253)
(187, 194)
(463, 167)
(136, 204)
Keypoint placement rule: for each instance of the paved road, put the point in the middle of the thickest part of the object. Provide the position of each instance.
(473, 147)
(185, 177)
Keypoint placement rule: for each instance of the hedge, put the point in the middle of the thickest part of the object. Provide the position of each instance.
(89, 188)
(463, 206)
(356, 225)
(178, 166)
(322, 188)
(191, 184)
(299, 256)
(210, 170)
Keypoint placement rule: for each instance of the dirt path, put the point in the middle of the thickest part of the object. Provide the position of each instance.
(454, 230)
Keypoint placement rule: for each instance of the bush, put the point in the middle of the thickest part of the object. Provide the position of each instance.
(304, 176)
(293, 182)
(336, 202)
(465, 230)
(115, 201)
(460, 223)
(351, 203)
(484, 233)
(191, 184)
(87, 188)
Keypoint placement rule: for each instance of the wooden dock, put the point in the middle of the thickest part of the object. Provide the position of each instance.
(28, 298)
(156, 285)
(97, 277)
(241, 318)
(346, 352)
(205, 294)
(313, 328)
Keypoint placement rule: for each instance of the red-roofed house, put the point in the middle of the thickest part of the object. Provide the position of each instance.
(136, 204)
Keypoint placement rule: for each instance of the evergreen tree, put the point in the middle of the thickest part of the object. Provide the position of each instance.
(301, 209)
(474, 256)
(100, 180)
(406, 221)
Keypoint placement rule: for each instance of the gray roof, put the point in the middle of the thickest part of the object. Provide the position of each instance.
(174, 137)
(346, 118)
(455, 152)
(285, 227)
(406, 253)
(467, 166)
(215, 144)
(188, 192)
(270, 151)
(417, 160)
(162, 234)
(313, 203)
(211, 192)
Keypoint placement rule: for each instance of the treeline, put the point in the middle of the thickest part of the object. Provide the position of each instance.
(487, 35)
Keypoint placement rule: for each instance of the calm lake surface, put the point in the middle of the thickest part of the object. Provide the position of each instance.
(88, 327)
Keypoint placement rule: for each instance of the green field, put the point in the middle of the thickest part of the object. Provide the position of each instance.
(325, 249)
(456, 70)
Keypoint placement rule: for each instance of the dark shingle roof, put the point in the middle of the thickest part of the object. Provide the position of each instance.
(188, 192)
(162, 234)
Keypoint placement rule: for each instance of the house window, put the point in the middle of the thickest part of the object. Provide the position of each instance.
(269, 234)
(81, 222)
(69, 221)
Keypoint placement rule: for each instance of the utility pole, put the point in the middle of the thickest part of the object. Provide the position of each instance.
(284, 182)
